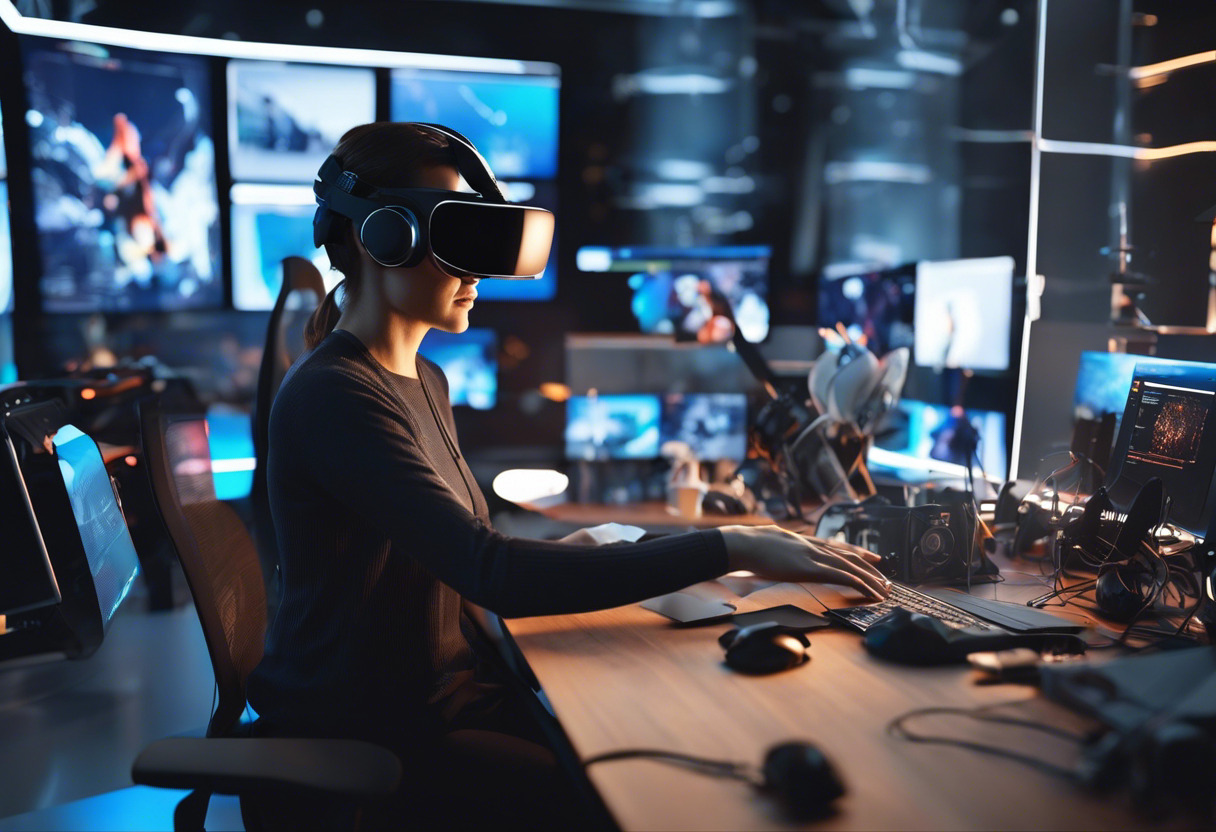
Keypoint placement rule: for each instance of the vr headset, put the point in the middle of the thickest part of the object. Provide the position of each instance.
(469, 234)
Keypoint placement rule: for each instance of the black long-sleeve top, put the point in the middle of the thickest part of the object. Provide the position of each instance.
(382, 533)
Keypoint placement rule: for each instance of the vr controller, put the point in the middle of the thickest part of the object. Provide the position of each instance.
(478, 234)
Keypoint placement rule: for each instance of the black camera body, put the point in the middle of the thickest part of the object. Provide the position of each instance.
(918, 544)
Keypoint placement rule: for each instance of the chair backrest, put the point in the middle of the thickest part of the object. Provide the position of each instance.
(300, 294)
(215, 549)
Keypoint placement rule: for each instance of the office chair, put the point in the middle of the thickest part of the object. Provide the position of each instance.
(300, 294)
(221, 566)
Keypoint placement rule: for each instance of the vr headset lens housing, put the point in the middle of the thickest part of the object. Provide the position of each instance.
(491, 240)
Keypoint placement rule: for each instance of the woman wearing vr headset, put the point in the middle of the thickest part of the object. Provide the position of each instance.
(383, 533)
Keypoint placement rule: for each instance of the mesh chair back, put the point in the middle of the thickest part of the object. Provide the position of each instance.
(215, 549)
(300, 294)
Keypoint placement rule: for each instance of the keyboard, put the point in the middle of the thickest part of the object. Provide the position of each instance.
(958, 610)
(910, 599)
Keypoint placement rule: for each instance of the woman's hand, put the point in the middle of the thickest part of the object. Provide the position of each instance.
(772, 552)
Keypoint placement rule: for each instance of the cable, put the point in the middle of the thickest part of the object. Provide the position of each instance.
(897, 728)
(703, 765)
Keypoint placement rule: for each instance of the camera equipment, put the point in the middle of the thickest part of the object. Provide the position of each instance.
(918, 544)
(478, 234)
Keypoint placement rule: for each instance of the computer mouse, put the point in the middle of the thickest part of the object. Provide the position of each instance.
(803, 778)
(767, 647)
(715, 501)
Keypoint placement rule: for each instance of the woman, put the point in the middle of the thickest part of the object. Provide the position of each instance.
(384, 535)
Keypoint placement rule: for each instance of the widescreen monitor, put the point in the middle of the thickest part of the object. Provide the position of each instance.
(1169, 431)
(469, 360)
(916, 433)
(123, 174)
(875, 307)
(963, 315)
(284, 118)
(512, 118)
(671, 286)
(269, 224)
(713, 425)
(624, 426)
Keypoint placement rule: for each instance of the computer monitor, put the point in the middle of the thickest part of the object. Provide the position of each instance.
(875, 307)
(963, 315)
(624, 426)
(512, 118)
(284, 118)
(6, 237)
(1169, 431)
(713, 425)
(73, 506)
(268, 224)
(668, 283)
(917, 436)
(470, 363)
(1105, 378)
(123, 174)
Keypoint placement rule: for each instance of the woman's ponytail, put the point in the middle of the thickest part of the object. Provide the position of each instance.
(323, 320)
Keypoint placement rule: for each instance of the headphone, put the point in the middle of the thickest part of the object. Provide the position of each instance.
(387, 219)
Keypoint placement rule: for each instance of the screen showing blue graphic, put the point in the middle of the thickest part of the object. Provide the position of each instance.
(103, 529)
(1104, 380)
(123, 173)
(612, 427)
(919, 431)
(875, 308)
(6, 237)
(713, 425)
(511, 119)
(676, 289)
(284, 118)
(262, 235)
(470, 362)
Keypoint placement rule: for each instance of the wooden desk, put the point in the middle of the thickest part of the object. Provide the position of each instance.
(625, 678)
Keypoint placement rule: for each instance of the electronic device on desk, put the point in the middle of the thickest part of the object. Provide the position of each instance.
(69, 561)
(917, 544)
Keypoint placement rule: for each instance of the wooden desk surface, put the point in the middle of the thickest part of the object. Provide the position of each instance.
(626, 678)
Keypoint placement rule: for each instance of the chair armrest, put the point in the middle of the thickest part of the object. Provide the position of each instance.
(226, 765)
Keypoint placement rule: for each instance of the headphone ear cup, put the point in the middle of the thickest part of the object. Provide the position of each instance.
(392, 237)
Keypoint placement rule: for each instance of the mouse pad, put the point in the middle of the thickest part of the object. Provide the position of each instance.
(684, 608)
(787, 615)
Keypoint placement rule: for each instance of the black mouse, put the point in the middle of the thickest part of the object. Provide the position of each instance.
(715, 501)
(767, 647)
(803, 777)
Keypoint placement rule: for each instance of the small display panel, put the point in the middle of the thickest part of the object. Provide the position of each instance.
(265, 232)
(284, 118)
(470, 362)
(713, 425)
(875, 308)
(103, 529)
(916, 431)
(612, 427)
(1169, 431)
(672, 288)
(123, 173)
(963, 314)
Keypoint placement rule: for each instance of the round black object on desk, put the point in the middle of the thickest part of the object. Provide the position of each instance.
(803, 777)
